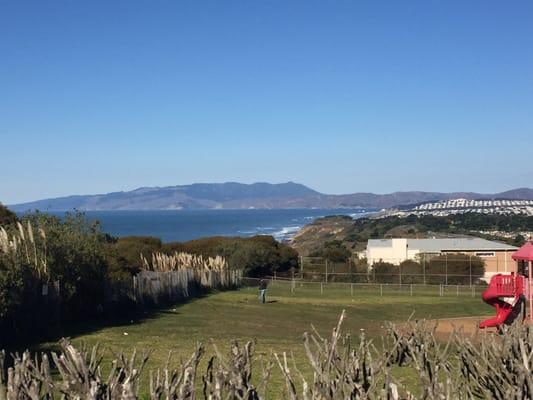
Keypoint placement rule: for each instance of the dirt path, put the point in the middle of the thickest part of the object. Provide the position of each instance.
(469, 326)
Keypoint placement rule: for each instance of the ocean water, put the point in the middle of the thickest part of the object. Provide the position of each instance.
(185, 225)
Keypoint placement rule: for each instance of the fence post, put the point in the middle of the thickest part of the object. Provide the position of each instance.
(457, 290)
(424, 268)
(470, 269)
(446, 271)
(321, 288)
(292, 285)
(400, 269)
(381, 290)
(326, 269)
(411, 289)
(351, 288)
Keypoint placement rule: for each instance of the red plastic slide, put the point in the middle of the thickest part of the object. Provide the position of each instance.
(504, 293)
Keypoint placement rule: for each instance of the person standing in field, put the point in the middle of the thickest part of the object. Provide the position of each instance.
(262, 290)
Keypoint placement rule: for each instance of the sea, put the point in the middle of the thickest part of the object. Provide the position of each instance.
(184, 225)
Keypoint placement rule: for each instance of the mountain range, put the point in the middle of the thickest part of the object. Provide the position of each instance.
(232, 195)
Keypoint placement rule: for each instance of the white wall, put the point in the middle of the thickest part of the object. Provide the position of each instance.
(394, 254)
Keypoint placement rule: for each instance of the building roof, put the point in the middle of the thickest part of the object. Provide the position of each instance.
(451, 244)
(379, 243)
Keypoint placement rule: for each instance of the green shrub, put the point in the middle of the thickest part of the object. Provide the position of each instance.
(412, 272)
(385, 272)
(458, 267)
(124, 255)
(13, 280)
(7, 217)
(334, 251)
(256, 256)
(76, 259)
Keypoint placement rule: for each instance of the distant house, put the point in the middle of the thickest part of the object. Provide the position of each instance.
(497, 256)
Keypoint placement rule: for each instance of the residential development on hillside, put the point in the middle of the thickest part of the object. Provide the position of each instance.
(461, 206)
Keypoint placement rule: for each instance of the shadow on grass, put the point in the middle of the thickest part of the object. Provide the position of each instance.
(133, 315)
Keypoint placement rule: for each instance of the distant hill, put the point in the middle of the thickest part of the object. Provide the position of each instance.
(232, 195)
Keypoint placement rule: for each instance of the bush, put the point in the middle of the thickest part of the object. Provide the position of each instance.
(256, 256)
(458, 267)
(385, 272)
(334, 251)
(76, 259)
(7, 217)
(359, 271)
(124, 255)
(412, 272)
(13, 280)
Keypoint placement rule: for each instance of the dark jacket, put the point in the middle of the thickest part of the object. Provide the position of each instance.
(263, 284)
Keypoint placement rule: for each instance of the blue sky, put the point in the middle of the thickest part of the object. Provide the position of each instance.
(343, 96)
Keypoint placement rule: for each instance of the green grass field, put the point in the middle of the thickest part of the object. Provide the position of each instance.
(277, 325)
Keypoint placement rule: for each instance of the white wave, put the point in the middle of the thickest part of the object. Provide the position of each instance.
(286, 232)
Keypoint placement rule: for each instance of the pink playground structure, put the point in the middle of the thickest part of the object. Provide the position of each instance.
(512, 293)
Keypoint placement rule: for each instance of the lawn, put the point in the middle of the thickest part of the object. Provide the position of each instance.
(277, 325)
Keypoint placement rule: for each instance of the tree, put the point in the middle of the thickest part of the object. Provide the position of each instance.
(7, 217)
(76, 259)
(385, 272)
(518, 240)
(412, 272)
(124, 255)
(334, 251)
(257, 255)
(461, 269)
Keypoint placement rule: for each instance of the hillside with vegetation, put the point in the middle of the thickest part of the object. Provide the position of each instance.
(352, 235)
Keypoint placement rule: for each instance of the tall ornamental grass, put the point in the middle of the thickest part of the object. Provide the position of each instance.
(181, 275)
(21, 246)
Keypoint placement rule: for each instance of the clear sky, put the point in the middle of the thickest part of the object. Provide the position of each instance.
(343, 96)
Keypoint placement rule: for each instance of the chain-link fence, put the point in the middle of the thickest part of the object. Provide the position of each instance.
(285, 286)
(447, 269)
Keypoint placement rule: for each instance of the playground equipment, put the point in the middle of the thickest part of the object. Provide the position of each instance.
(510, 293)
